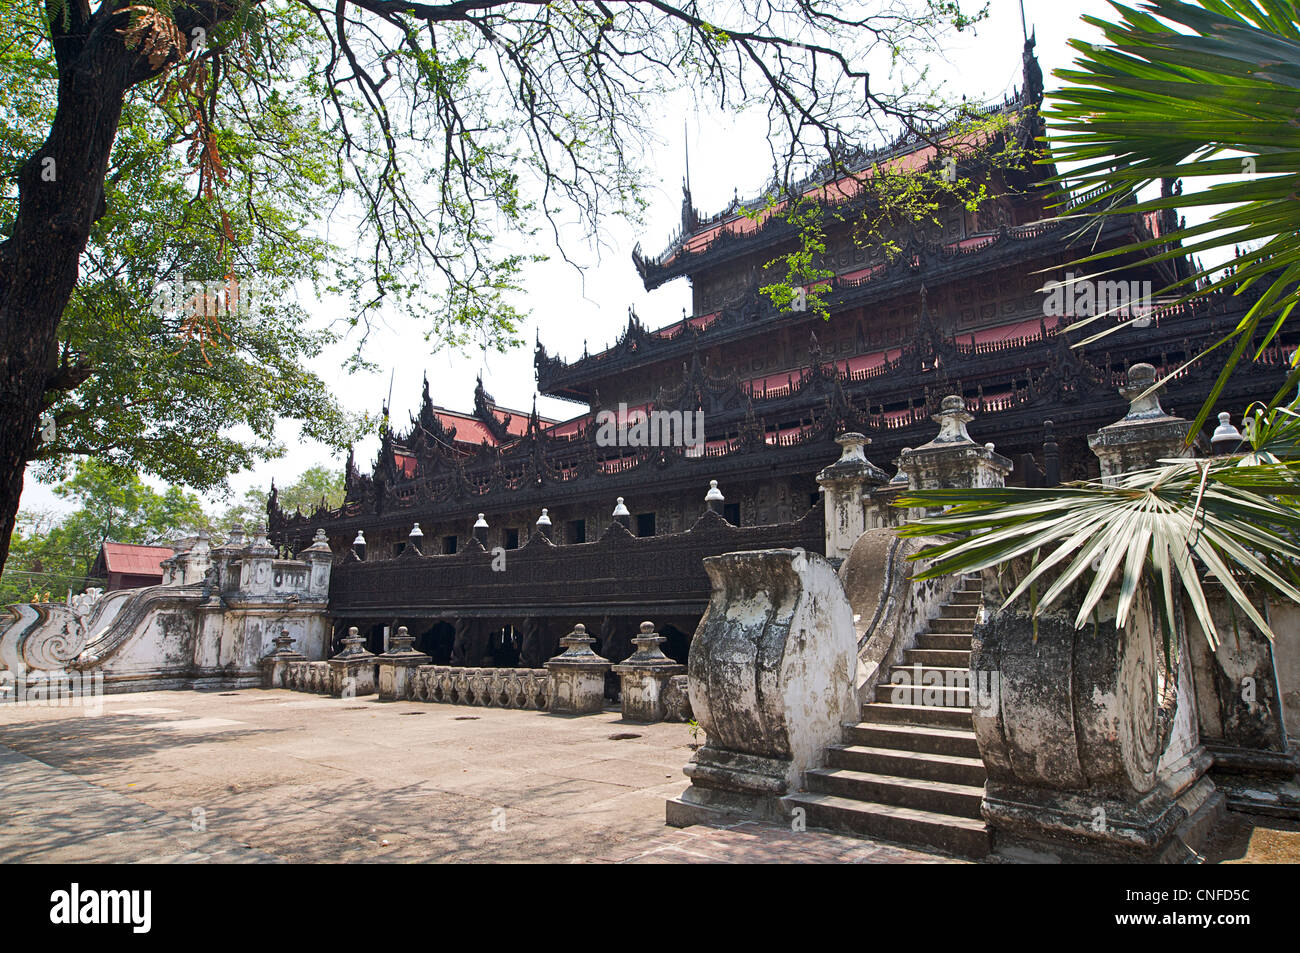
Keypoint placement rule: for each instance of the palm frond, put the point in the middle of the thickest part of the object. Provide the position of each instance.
(1180, 521)
(1195, 90)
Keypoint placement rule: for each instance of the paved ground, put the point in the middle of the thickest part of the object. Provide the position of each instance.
(277, 775)
(261, 776)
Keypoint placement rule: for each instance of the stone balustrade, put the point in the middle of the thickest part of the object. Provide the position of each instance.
(528, 689)
(524, 688)
(309, 677)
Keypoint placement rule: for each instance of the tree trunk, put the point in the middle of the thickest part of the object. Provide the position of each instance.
(61, 193)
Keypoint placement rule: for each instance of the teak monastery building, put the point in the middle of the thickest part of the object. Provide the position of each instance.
(446, 533)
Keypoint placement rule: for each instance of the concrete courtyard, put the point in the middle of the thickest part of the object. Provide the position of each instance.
(267, 775)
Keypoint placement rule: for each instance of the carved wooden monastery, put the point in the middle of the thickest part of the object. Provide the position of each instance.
(959, 311)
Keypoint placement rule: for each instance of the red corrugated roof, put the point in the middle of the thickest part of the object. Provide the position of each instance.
(135, 560)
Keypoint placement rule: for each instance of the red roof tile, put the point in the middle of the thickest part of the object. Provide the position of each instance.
(135, 560)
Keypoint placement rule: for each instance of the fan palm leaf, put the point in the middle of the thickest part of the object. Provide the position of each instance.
(1195, 90)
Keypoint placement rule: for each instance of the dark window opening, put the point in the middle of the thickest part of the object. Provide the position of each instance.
(575, 531)
(645, 524)
(512, 539)
(448, 545)
(731, 513)
(398, 548)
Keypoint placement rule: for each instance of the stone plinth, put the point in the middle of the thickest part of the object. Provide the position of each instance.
(397, 666)
(952, 460)
(1089, 741)
(1240, 711)
(771, 682)
(352, 671)
(1146, 434)
(276, 663)
(645, 677)
(848, 483)
(578, 675)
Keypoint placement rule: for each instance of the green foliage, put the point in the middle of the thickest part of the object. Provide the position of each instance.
(1181, 87)
(315, 485)
(190, 399)
(52, 554)
(1204, 90)
(1232, 518)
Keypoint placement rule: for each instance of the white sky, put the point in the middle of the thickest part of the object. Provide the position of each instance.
(726, 154)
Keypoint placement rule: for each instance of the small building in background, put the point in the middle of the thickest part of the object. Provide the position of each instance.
(130, 566)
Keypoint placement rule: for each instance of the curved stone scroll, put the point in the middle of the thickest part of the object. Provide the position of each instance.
(770, 677)
(1088, 737)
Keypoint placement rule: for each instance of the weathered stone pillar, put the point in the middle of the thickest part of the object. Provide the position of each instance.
(952, 460)
(577, 675)
(255, 569)
(645, 676)
(397, 666)
(1089, 738)
(1144, 436)
(848, 483)
(276, 663)
(771, 681)
(321, 559)
(1240, 711)
(352, 671)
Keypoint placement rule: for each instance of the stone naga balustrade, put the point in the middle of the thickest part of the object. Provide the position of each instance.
(524, 688)
(309, 677)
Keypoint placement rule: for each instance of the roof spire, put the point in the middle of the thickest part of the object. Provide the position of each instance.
(686, 143)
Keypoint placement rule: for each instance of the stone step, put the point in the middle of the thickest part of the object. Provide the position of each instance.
(962, 836)
(960, 800)
(967, 597)
(955, 741)
(956, 610)
(943, 641)
(907, 764)
(938, 658)
(962, 626)
(885, 713)
(924, 696)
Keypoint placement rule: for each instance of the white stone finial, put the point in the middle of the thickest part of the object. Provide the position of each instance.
(416, 532)
(1141, 393)
(543, 520)
(852, 445)
(714, 495)
(481, 522)
(952, 419)
(1226, 437)
(620, 509)
(900, 476)
(360, 540)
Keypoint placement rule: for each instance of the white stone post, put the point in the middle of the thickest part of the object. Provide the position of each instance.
(645, 675)
(577, 675)
(847, 484)
(397, 666)
(1145, 436)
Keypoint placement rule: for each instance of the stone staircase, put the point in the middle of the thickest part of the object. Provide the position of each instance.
(911, 771)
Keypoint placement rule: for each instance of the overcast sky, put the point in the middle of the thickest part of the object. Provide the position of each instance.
(725, 155)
